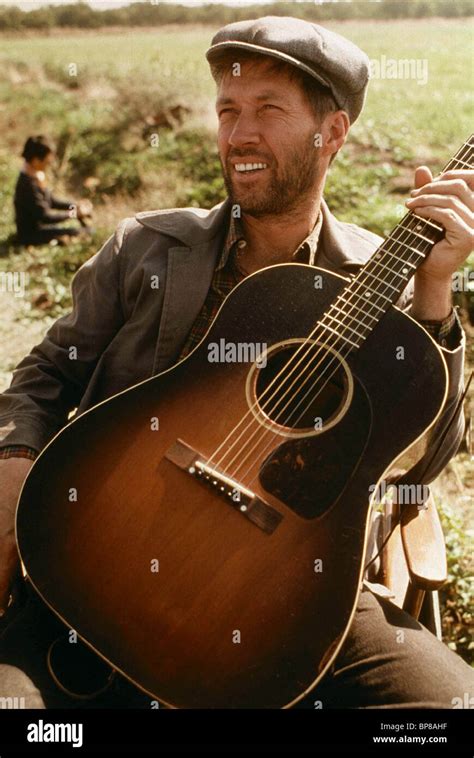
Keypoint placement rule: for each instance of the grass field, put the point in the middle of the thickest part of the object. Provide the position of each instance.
(103, 117)
(125, 77)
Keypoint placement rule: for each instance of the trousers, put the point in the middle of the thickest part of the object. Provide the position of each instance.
(387, 660)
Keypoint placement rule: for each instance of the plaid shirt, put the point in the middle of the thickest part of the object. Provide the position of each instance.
(227, 274)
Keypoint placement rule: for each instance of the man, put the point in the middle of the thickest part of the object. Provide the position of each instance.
(287, 94)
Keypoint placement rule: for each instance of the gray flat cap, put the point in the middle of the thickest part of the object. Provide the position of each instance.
(330, 58)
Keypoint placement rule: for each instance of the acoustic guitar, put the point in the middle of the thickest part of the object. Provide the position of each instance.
(204, 531)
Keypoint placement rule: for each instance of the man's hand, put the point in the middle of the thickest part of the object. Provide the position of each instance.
(84, 208)
(13, 472)
(448, 200)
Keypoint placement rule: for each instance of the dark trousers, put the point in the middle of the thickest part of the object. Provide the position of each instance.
(388, 660)
(44, 235)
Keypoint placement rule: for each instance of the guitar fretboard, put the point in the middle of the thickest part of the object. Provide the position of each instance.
(379, 284)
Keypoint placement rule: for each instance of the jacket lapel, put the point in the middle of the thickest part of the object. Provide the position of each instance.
(340, 247)
(181, 304)
(188, 277)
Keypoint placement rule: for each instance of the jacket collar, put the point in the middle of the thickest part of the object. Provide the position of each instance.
(341, 245)
(191, 226)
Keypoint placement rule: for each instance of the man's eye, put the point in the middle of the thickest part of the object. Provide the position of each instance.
(270, 105)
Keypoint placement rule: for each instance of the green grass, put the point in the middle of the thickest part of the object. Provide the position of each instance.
(123, 78)
(457, 594)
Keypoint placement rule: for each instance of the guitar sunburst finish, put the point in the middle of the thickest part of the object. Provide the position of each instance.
(205, 530)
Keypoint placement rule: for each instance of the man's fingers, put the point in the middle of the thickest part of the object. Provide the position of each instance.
(450, 220)
(466, 175)
(450, 187)
(443, 201)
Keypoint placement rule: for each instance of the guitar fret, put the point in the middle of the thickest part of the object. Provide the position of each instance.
(392, 270)
(353, 317)
(374, 276)
(412, 231)
(340, 336)
(373, 305)
(369, 292)
(364, 300)
(397, 258)
(419, 228)
(413, 249)
(458, 160)
(345, 326)
(429, 222)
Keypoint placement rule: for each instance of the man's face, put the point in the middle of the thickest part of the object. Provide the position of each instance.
(264, 118)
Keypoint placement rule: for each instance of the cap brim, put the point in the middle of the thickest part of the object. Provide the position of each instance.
(215, 49)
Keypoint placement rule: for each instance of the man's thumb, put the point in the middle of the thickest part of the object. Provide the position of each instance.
(423, 175)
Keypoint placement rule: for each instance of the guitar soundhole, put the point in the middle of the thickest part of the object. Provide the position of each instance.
(303, 389)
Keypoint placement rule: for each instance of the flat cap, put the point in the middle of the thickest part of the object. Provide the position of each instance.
(331, 59)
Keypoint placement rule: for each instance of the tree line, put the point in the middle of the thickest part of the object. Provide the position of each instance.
(152, 13)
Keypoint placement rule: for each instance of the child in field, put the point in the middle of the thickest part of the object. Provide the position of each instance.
(37, 211)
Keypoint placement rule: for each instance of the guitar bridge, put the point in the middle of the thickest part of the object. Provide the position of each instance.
(239, 497)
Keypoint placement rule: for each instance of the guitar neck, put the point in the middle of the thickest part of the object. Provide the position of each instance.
(381, 281)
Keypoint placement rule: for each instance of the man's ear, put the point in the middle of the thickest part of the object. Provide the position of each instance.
(336, 128)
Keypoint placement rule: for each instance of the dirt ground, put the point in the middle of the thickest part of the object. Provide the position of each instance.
(17, 334)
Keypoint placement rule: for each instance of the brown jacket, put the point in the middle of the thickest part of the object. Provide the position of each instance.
(123, 330)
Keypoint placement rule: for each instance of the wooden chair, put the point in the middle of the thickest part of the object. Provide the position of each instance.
(412, 563)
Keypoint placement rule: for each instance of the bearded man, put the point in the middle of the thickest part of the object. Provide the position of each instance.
(287, 93)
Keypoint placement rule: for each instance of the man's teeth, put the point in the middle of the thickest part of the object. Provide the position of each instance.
(249, 166)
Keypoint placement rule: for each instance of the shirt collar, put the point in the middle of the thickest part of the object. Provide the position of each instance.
(304, 253)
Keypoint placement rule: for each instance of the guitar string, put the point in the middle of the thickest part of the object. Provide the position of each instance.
(329, 364)
(358, 296)
(377, 265)
(303, 380)
(363, 283)
(305, 410)
(420, 219)
(393, 242)
(306, 343)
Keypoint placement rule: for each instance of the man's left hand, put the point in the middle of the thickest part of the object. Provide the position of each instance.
(448, 200)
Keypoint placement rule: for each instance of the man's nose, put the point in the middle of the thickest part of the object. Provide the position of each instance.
(245, 131)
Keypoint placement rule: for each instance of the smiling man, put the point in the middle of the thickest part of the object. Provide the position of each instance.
(288, 92)
(273, 158)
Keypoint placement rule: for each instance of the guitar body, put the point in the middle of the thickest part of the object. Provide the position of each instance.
(199, 598)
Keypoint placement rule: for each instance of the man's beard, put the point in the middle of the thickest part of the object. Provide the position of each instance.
(283, 190)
